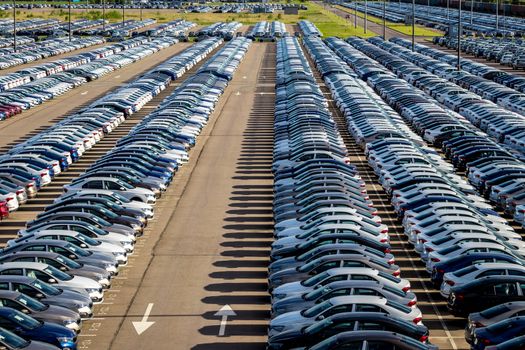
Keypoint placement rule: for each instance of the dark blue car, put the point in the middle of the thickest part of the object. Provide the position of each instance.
(498, 332)
(29, 328)
(468, 259)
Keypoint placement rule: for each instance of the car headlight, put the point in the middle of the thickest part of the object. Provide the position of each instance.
(66, 341)
(67, 322)
(93, 290)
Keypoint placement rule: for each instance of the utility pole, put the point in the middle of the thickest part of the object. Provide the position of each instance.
(14, 26)
(459, 37)
(355, 15)
(384, 19)
(366, 13)
(471, 12)
(103, 15)
(497, 14)
(413, 24)
(69, 22)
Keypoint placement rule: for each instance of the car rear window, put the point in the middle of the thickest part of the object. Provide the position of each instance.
(494, 311)
(465, 271)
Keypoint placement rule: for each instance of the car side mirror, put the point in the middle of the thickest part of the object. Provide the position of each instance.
(63, 268)
(52, 280)
(39, 295)
(71, 256)
(122, 189)
(83, 245)
(320, 318)
(25, 311)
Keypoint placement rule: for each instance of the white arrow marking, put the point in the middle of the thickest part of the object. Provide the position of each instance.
(118, 76)
(244, 76)
(224, 312)
(238, 93)
(144, 324)
(83, 93)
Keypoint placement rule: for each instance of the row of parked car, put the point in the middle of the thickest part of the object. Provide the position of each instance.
(33, 163)
(441, 18)
(309, 29)
(497, 173)
(333, 280)
(20, 40)
(21, 97)
(470, 252)
(35, 51)
(67, 256)
(267, 31)
(28, 24)
(121, 29)
(81, 24)
(506, 51)
(173, 28)
(225, 30)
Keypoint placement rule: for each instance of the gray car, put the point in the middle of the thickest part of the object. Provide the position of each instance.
(48, 294)
(47, 313)
(339, 288)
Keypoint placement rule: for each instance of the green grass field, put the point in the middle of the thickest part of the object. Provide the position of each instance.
(398, 27)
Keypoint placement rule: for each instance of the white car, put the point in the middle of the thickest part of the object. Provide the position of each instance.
(108, 183)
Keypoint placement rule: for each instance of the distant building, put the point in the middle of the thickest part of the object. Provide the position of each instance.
(291, 10)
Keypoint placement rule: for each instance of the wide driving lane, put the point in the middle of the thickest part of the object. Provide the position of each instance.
(209, 244)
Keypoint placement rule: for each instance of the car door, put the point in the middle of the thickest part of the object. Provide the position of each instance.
(508, 291)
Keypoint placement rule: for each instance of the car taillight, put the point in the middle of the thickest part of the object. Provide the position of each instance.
(391, 261)
(398, 195)
(435, 259)
(384, 230)
(440, 270)
(422, 240)
(478, 324)
(406, 289)
(423, 338)
(412, 303)
(384, 240)
(450, 283)
(43, 174)
(429, 249)
(417, 320)
(19, 191)
(396, 273)
(386, 250)
(9, 199)
(485, 341)
(416, 232)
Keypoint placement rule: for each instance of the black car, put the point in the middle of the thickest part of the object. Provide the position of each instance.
(485, 292)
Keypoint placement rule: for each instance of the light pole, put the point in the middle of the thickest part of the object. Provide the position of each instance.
(384, 19)
(448, 10)
(140, 4)
(413, 24)
(14, 26)
(69, 22)
(123, 14)
(459, 37)
(366, 12)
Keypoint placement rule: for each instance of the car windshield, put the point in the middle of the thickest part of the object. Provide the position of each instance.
(68, 262)
(100, 221)
(12, 340)
(23, 320)
(108, 213)
(494, 311)
(53, 271)
(318, 326)
(317, 293)
(120, 197)
(87, 240)
(45, 288)
(312, 281)
(77, 250)
(317, 309)
(96, 230)
(31, 303)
